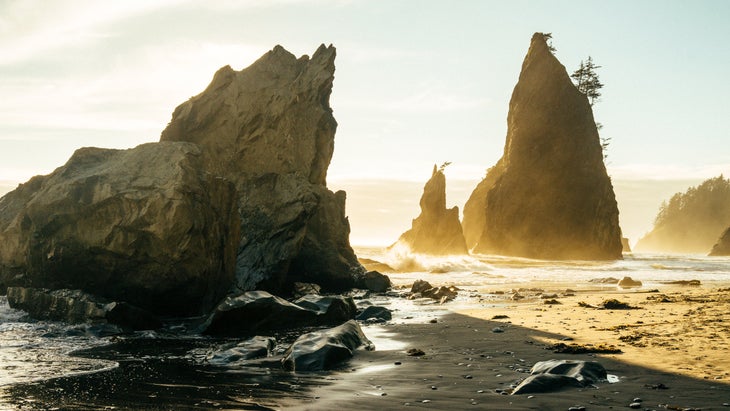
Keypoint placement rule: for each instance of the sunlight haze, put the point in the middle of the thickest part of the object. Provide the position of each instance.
(417, 83)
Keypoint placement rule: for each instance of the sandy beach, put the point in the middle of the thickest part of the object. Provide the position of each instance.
(674, 354)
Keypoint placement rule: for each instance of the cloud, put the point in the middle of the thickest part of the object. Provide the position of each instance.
(31, 28)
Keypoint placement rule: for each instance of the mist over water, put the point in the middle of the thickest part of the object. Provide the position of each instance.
(487, 272)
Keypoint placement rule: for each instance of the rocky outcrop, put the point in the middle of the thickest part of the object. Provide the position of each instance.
(436, 230)
(323, 350)
(269, 128)
(259, 311)
(555, 375)
(144, 226)
(625, 246)
(690, 222)
(549, 195)
(722, 247)
(237, 354)
(76, 306)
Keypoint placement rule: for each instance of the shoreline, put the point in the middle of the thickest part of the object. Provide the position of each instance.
(466, 362)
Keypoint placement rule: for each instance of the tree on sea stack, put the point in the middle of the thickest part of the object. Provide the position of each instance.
(587, 82)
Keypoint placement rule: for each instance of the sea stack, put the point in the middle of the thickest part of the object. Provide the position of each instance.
(233, 198)
(722, 248)
(269, 129)
(437, 229)
(549, 196)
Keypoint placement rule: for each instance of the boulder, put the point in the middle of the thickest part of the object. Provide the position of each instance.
(145, 225)
(722, 247)
(555, 375)
(420, 286)
(628, 282)
(323, 350)
(374, 281)
(236, 354)
(375, 313)
(302, 289)
(269, 128)
(549, 196)
(334, 309)
(76, 306)
(437, 230)
(256, 311)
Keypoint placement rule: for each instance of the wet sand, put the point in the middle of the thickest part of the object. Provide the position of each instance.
(675, 355)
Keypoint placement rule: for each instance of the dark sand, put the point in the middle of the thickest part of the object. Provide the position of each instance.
(466, 363)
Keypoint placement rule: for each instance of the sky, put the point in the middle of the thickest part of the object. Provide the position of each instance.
(417, 83)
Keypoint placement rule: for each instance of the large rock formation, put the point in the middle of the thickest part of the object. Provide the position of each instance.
(145, 225)
(690, 222)
(234, 196)
(722, 247)
(549, 195)
(269, 129)
(437, 229)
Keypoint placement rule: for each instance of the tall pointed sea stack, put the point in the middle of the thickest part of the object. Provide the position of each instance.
(437, 230)
(549, 196)
(270, 130)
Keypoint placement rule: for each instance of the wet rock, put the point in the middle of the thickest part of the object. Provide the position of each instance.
(685, 283)
(323, 350)
(437, 230)
(442, 294)
(555, 375)
(549, 196)
(235, 354)
(302, 289)
(269, 129)
(374, 281)
(420, 286)
(635, 405)
(628, 282)
(145, 225)
(330, 309)
(76, 306)
(415, 352)
(375, 313)
(255, 311)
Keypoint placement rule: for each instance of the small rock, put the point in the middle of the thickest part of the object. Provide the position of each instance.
(397, 363)
(433, 321)
(415, 352)
(468, 377)
(635, 405)
(433, 387)
(577, 408)
(497, 330)
(637, 399)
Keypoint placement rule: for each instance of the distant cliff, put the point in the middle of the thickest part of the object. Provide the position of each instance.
(549, 196)
(723, 245)
(690, 222)
(437, 229)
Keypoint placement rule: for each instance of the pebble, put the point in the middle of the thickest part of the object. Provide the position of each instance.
(433, 387)
(426, 401)
(433, 321)
(397, 363)
(637, 399)
(635, 405)
(468, 377)
(577, 408)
